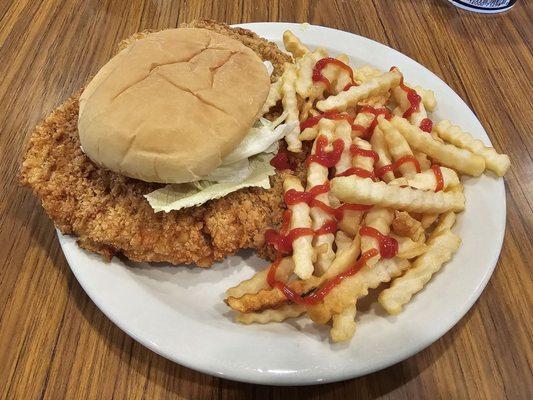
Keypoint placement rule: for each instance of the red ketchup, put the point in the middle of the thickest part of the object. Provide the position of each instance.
(292, 196)
(318, 295)
(413, 97)
(310, 122)
(357, 151)
(438, 176)
(328, 227)
(326, 159)
(376, 112)
(388, 246)
(281, 161)
(283, 243)
(348, 86)
(360, 172)
(394, 166)
(426, 125)
(323, 63)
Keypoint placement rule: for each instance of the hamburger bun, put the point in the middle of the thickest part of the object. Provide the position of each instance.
(169, 107)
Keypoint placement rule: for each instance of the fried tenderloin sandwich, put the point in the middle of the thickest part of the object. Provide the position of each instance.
(165, 155)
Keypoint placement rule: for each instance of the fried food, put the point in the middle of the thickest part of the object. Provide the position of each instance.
(442, 244)
(497, 163)
(450, 156)
(271, 315)
(352, 96)
(353, 189)
(107, 211)
(383, 184)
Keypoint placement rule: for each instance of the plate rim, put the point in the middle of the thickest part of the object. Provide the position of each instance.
(253, 376)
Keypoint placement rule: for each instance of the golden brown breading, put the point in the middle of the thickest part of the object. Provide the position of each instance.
(108, 212)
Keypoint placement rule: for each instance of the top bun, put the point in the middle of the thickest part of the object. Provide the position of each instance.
(169, 107)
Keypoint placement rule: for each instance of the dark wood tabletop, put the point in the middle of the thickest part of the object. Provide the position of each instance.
(56, 344)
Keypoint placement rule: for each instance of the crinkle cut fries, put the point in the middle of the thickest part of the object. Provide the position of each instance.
(379, 200)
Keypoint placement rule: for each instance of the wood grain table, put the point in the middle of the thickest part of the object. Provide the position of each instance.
(55, 343)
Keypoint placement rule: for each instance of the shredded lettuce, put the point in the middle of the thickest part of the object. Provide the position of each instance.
(235, 172)
(260, 138)
(246, 166)
(178, 196)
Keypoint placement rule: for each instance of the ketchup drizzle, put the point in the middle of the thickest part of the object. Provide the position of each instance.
(326, 159)
(354, 150)
(283, 243)
(281, 161)
(312, 121)
(426, 125)
(376, 112)
(360, 172)
(438, 176)
(318, 295)
(395, 165)
(412, 96)
(388, 246)
(322, 63)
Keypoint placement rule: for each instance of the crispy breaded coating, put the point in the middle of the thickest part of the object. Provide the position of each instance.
(110, 216)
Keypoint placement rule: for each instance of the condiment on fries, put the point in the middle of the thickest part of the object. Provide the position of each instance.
(382, 189)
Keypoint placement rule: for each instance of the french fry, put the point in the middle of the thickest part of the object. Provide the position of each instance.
(309, 133)
(253, 285)
(405, 225)
(398, 146)
(274, 95)
(342, 241)
(304, 84)
(355, 287)
(355, 190)
(497, 163)
(344, 260)
(343, 131)
(376, 101)
(442, 244)
(304, 111)
(317, 175)
(408, 248)
(381, 220)
(423, 160)
(343, 327)
(338, 77)
(406, 209)
(365, 73)
(355, 94)
(272, 315)
(270, 298)
(362, 120)
(379, 145)
(428, 219)
(351, 219)
(446, 221)
(428, 98)
(360, 161)
(294, 45)
(445, 154)
(427, 181)
(258, 281)
(401, 97)
(290, 106)
(302, 249)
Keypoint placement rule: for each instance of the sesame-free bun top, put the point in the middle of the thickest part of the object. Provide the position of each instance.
(169, 107)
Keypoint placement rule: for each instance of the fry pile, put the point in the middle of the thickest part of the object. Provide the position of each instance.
(379, 199)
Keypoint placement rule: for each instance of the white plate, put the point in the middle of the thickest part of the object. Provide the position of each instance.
(179, 312)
